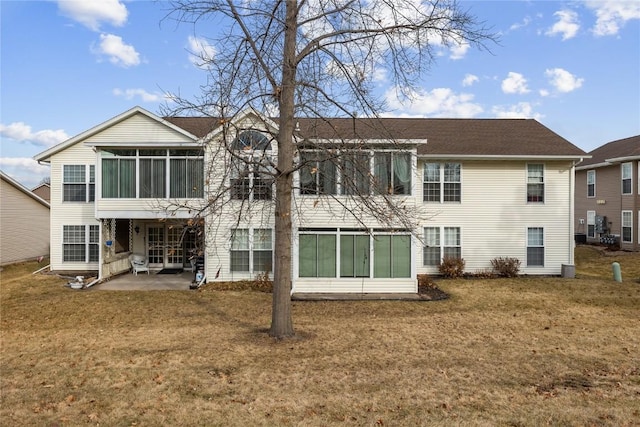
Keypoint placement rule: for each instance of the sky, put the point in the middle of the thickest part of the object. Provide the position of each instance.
(67, 66)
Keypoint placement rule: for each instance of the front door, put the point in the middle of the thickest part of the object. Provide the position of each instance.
(165, 248)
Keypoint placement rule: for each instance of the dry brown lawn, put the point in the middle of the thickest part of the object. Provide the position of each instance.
(517, 352)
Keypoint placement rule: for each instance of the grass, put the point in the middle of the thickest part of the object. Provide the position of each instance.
(518, 352)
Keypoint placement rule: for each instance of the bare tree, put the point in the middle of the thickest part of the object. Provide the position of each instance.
(313, 59)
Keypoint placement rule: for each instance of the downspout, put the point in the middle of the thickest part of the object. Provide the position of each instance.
(98, 195)
(572, 208)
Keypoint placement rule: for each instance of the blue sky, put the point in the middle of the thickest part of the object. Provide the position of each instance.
(67, 66)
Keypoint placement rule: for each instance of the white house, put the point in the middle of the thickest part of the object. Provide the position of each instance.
(472, 188)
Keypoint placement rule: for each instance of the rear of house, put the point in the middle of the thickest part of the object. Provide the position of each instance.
(607, 196)
(475, 189)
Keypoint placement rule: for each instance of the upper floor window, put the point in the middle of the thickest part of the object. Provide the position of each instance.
(535, 182)
(350, 172)
(251, 167)
(318, 173)
(152, 173)
(627, 173)
(442, 182)
(591, 183)
(78, 183)
(392, 172)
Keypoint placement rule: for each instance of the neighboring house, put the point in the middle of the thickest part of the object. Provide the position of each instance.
(43, 191)
(608, 195)
(476, 189)
(24, 222)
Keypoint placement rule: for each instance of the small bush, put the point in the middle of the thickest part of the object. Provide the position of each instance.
(452, 267)
(505, 266)
(425, 281)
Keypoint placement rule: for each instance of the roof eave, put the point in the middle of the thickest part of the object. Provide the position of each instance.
(503, 157)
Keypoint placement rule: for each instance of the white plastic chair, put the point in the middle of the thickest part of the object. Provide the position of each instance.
(139, 264)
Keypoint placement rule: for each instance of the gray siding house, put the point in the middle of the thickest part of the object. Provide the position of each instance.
(607, 198)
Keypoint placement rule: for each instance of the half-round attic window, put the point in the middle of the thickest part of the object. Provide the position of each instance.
(251, 140)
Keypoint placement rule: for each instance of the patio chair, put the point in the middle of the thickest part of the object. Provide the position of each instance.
(139, 264)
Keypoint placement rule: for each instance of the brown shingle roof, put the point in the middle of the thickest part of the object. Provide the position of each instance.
(476, 137)
(627, 147)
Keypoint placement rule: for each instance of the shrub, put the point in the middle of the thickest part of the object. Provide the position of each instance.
(425, 281)
(452, 267)
(505, 266)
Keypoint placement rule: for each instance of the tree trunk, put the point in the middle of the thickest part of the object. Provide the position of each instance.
(281, 320)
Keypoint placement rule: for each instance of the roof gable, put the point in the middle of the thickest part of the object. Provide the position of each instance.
(626, 148)
(6, 178)
(109, 124)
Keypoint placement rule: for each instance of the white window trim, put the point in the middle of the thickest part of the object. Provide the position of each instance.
(251, 249)
(544, 183)
(622, 226)
(87, 243)
(622, 178)
(589, 223)
(544, 242)
(441, 182)
(442, 246)
(592, 172)
(87, 183)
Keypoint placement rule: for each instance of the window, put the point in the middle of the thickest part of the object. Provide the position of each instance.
(627, 226)
(152, 173)
(347, 253)
(626, 178)
(391, 256)
(355, 173)
(186, 179)
(591, 224)
(392, 172)
(441, 182)
(354, 255)
(317, 255)
(436, 248)
(251, 170)
(80, 243)
(535, 183)
(75, 185)
(318, 173)
(535, 247)
(591, 183)
(119, 175)
(252, 250)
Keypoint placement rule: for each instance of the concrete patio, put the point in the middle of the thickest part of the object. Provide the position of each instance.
(147, 282)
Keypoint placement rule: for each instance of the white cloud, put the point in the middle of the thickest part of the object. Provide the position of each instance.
(92, 13)
(201, 53)
(562, 80)
(613, 15)
(25, 170)
(459, 50)
(21, 132)
(440, 102)
(544, 92)
(143, 94)
(469, 79)
(525, 22)
(119, 53)
(515, 83)
(567, 25)
(516, 111)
